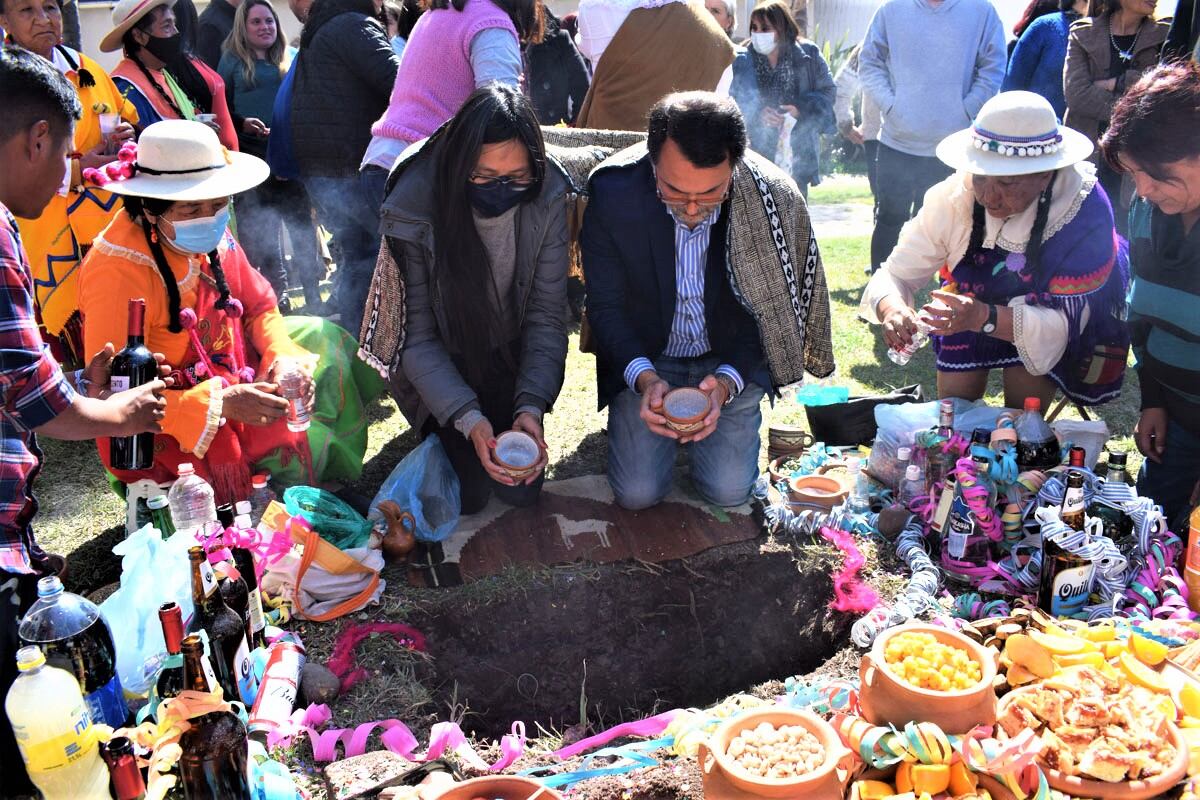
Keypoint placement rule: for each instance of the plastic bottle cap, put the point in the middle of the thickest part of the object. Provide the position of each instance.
(242, 507)
(1033, 404)
(913, 473)
(157, 503)
(186, 469)
(260, 481)
(30, 658)
(854, 464)
(904, 453)
(50, 586)
(243, 521)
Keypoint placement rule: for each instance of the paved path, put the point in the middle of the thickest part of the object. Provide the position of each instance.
(837, 220)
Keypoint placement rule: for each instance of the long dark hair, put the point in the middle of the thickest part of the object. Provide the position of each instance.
(1033, 249)
(323, 11)
(527, 16)
(138, 208)
(1039, 8)
(462, 272)
(180, 66)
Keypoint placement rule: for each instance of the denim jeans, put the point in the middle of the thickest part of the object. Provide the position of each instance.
(347, 215)
(1170, 483)
(724, 466)
(901, 181)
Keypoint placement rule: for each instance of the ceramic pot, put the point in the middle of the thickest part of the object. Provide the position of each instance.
(887, 699)
(817, 490)
(1124, 790)
(827, 782)
(685, 409)
(499, 787)
(518, 453)
(400, 537)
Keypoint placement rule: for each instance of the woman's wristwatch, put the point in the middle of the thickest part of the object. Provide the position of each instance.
(989, 327)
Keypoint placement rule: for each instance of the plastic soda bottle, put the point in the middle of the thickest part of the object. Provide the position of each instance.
(191, 500)
(54, 731)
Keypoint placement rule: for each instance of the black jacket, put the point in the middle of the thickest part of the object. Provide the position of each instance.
(1185, 31)
(628, 247)
(216, 23)
(342, 85)
(557, 77)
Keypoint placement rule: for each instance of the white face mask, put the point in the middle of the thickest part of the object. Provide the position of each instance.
(763, 42)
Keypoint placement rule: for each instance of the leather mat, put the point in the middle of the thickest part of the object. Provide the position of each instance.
(578, 520)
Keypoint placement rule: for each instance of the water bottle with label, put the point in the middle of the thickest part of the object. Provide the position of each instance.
(54, 731)
(69, 630)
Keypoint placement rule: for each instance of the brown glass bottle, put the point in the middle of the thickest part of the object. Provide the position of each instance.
(1065, 577)
(244, 560)
(213, 764)
(226, 633)
(127, 782)
(170, 678)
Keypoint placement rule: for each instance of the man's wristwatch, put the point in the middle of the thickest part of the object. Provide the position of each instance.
(989, 327)
(731, 391)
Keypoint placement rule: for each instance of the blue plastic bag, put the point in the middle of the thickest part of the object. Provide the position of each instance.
(425, 485)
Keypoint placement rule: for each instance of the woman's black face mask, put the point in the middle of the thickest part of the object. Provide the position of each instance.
(165, 49)
(492, 198)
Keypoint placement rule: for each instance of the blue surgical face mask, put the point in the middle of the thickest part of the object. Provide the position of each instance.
(200, 235)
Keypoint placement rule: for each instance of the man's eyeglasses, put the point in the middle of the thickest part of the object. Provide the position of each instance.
(678, 202)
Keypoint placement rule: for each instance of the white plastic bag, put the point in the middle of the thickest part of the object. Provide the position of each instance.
(1091, 436)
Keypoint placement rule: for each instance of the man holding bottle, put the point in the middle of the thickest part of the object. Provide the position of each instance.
(35, 138)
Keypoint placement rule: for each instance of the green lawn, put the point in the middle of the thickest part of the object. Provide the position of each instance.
(77, 506)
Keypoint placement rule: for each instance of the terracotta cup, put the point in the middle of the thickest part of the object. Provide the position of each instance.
(826, 782)
(817, 490)
(499, 787)
(887, 699)
(518, 453)
(685, 409)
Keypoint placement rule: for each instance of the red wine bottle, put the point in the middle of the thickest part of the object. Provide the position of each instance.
(132, 367)
(170, 679)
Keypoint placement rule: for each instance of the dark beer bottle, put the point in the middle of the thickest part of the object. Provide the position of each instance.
(1117, 524)
(1065, 577)
(170, 679)
(213, 765)
(226, 633)
(132, 367)
(127, 782)
(244, 560)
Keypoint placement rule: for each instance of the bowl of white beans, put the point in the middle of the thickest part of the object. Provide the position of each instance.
(779, 752)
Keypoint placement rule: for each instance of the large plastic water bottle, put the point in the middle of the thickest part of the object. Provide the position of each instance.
(54, 731)
(69, 630)
(191, 500)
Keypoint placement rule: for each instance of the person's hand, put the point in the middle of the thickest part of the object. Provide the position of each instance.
(484, 441)
(717, 393)
(899, 323)
(770, 117)
(121, 134)
(140, 409)
(854, 134)
(948, 313)
(653, 389)
(792, 110)
(306, 370)
(252, 126)
(253, 403)
(1108, 84)
(99, 370)
(529, 423)
(95, 158)
(1150, 433)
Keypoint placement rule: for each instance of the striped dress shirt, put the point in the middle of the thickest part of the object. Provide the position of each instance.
(689, 332)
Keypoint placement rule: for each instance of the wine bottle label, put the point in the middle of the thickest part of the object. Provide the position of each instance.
(943, 510)
(58, 751)
(244, 670)
(118, 383)
(207, 579)
(258, 620)
(1070, 590)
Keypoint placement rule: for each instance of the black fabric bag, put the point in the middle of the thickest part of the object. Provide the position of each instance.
(853, 422)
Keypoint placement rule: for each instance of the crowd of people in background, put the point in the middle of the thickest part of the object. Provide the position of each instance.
(460, 163)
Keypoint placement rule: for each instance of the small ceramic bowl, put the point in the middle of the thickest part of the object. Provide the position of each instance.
(817, 490)
(518, 453)
(685, 409)
(826, 782)
(501, 787)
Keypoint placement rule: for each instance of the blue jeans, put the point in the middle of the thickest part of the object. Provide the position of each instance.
(1170, 483)
(354, 224)
(901, 180)
(724, 466)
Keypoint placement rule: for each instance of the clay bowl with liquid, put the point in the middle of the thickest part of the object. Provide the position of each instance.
(685, 409)
(518, 454)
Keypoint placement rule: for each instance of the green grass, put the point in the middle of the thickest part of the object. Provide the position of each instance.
(77, 506)
(840, 188)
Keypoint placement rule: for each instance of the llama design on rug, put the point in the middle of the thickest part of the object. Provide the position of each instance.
(570, 528)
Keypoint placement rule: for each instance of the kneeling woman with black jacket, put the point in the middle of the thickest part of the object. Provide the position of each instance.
(465, 313)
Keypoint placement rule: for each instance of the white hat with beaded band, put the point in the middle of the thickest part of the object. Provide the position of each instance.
(1015, 133)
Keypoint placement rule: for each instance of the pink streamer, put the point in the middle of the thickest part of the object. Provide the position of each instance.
(649, 727)
(266, 549)
(444, 737)
(849, 593)
(343, 663)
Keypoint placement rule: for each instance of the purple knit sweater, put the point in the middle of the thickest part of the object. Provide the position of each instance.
(435, 75)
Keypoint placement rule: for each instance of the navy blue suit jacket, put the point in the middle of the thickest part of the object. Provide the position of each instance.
(628, 248)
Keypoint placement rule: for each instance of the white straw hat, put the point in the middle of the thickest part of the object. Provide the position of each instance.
(1015, 133)
(178, 159)
(125, 15)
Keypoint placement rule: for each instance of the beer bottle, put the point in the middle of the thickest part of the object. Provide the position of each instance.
(215, 757)
(244, 560)
(127, 782)
(170, 679)
(226, 633)
(1117, 524)
(1065, 577)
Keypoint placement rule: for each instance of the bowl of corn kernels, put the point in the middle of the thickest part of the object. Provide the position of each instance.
(919, 672)
(778, 752)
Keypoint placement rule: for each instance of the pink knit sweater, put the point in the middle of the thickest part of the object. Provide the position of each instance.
(435, 75)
